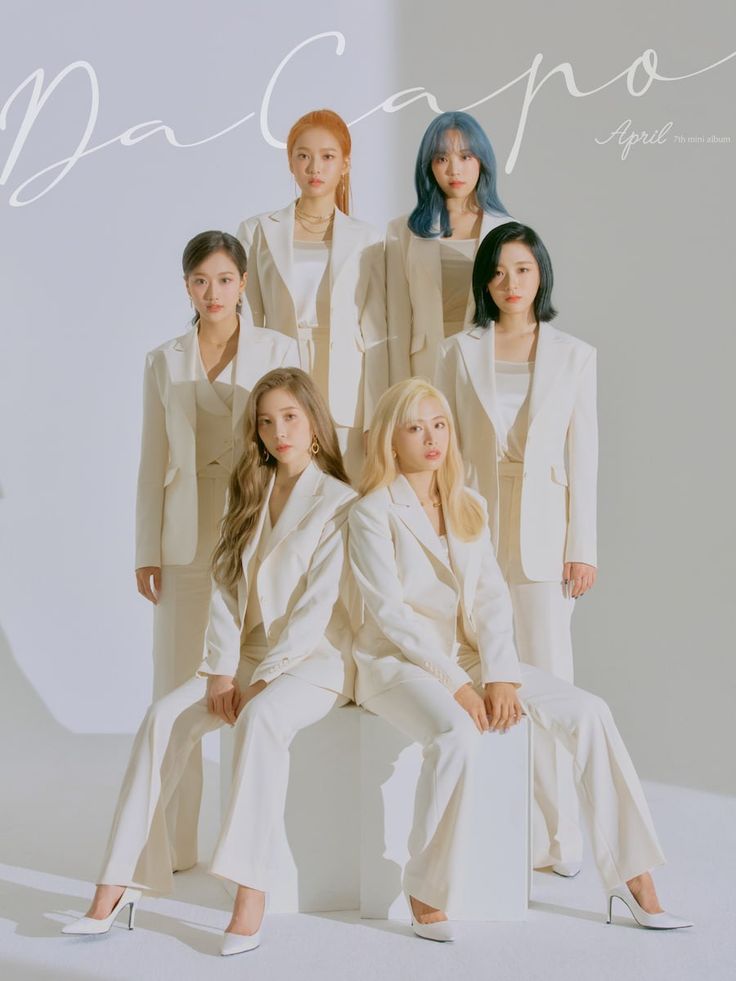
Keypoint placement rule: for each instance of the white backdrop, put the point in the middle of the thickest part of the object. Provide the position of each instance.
(90, 279)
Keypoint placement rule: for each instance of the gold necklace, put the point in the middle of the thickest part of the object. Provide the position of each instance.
(435, 504)
(314, 219)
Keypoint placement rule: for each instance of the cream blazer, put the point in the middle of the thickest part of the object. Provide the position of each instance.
(414, 297)
(558, 496)
(305, 591)
(166, 507)
(412, 597)
(358, 370)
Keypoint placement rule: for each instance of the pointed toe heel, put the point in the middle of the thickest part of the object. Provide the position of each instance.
(441, 932)
(87, 926)
(238, 943)
(650, 921)
(568, 870)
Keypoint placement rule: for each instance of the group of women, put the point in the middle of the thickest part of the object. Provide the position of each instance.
(423, 370)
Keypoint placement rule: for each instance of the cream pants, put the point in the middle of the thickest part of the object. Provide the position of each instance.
(139, 846)
(623, 836)
(179, 624)
(542, 620)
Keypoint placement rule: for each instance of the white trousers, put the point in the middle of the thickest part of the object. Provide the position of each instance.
(179, 625)
(542, 621)
(624, 840)
(139, 847)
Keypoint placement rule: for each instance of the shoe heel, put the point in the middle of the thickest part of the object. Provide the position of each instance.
(131, 916)
(610, 909)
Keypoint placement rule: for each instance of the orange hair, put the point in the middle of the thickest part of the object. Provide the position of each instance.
(327, 119)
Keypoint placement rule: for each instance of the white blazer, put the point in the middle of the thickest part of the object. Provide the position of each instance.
(304, 590)
(412, 597)
(358, 371)
(166, 507)
(558, 497)
(414, 297)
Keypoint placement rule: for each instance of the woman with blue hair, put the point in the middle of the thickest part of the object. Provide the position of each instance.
(430, 252)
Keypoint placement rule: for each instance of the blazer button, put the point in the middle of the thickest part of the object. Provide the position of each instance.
(284, 660)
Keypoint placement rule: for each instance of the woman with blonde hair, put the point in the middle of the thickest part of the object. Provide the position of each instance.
(277, 659)
(317, 274)
(436, 658)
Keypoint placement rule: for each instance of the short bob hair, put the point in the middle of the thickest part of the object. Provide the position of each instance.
(430, 218)
(486, 263)
(202, 246)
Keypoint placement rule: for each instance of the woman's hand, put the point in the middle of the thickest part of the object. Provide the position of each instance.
(223, 695)
(250, 692)
(470, 700)
(143, 576)
(580, 576)
(503, 707)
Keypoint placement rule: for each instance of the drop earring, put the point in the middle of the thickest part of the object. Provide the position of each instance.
(314, 448)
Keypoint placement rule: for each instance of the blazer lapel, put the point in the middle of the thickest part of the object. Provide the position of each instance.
(553, 352)
(278, 230)
(342, 245)
(406, 505)
(465, 558)
(183, 359)
(304, 497)
(251, 546)
(478, 350)
(426, 258)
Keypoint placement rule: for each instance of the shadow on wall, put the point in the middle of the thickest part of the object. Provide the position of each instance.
(59, 787)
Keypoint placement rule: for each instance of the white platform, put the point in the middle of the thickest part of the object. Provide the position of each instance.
(498, 868)
(319, 863)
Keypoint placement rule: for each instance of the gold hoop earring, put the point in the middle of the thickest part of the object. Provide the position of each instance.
(314, 448)
(394, 454)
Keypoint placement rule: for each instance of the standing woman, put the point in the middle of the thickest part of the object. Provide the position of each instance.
(429, 253)
(278, 658)
(318, 275)
(436, 659)
(524, 399)
(195, 389)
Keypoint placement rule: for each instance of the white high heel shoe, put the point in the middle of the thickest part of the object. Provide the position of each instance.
(442, 931)
(87, 926)
(652, 921)
(238, 943)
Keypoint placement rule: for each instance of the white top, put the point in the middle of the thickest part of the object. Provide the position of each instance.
(460, 632)
(513, 385)
(253, 614)
(310, 288)
(456, 260)
(214, 438)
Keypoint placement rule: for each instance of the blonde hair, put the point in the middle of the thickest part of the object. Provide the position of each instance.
(397, 407)
(326, 119)
(252, 472)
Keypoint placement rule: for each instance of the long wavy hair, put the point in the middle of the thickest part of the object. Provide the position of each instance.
(431, 218)
(397, 407)
(326, 119)
(252, 473)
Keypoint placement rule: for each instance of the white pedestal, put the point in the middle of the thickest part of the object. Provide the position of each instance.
(498, 869)
(319, 865)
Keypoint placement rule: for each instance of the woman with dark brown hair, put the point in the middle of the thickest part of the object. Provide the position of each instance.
(278, 657)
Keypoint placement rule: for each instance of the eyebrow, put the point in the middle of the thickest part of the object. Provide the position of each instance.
(411, 422)
(286, 408)
(321, 149)
(223, 272)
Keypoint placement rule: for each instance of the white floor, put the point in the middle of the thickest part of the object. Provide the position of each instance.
(565, 934)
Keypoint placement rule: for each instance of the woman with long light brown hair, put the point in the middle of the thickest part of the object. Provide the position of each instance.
(278, 658)
(317, 274)
(436, 659)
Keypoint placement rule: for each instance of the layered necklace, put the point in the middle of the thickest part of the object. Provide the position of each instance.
(314, 224)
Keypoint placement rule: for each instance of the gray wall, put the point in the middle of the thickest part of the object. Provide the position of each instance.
(642, 249)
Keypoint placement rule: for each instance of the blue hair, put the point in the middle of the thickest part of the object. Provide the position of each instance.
(430, 218)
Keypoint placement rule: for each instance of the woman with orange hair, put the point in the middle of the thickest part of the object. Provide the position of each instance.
(317, 274)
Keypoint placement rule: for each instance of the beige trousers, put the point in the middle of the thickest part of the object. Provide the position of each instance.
(179, 624)
(139, 845)
(624, 840)
(542, 621)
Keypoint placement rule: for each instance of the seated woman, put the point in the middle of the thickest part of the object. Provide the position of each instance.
(436, 659)
(281, 580)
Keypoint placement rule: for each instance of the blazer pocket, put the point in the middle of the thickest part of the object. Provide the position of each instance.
(170, 474)
(559, 474)
(418, 338)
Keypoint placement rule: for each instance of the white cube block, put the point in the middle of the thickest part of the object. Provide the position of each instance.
(319, 863)
(498, 872)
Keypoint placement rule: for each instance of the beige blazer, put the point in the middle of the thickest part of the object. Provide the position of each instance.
(358, 371)
(412, 597)
(558, 497)
(166, 507)
(305, 591)
(414, 297)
